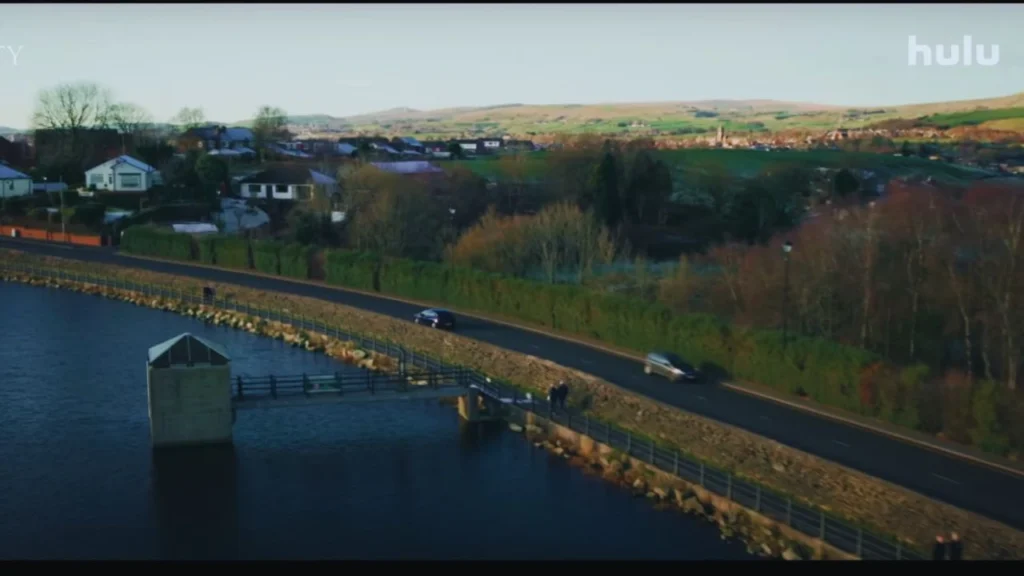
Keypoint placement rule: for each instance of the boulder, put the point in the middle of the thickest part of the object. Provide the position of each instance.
(790, 554)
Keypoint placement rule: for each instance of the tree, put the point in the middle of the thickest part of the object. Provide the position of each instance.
(392, 216)
(129, 118)
(607, 204)
(845, 183)
(189, 118)
(72, 107)
(268, 126)
(212, 173)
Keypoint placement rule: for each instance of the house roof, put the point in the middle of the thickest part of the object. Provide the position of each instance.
(345, 148)
(409, 167)
(124, 159)
(385, 148)
(288, 174)
(411, 141)
(229, 135)
(186, 349)
(8, 173)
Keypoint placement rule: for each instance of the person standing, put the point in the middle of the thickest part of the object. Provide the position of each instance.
(563, 393)
(956, 547)
(939, 551)
(552, 398)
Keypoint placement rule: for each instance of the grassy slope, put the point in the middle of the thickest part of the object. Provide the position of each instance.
(665, 116)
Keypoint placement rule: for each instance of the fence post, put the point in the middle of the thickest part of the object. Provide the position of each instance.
(702, 474)
(273, 387)
(607, 434)
(586, 424)
(338, 381)
(860, 542)
(757, 499)
(238, 380)
(675, 463)
(821, 529)
(629, 442)
(728, 485)
(652, 452)
(789, 511)
(305, 384)
(899, 549)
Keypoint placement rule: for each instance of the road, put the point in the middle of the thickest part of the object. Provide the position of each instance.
(972, 486)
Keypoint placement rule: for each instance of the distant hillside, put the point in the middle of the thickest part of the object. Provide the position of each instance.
(665, 118)
(7, 131)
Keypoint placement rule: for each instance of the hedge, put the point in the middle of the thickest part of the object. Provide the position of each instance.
(825, 371)
(155, 242)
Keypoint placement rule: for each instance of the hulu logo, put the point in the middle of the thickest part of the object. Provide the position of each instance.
(965, 54)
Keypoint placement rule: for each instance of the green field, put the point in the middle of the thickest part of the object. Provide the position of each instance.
(749, 163)
(974, 118)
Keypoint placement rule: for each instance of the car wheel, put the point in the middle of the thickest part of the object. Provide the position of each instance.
(647, 370)
(434, 324)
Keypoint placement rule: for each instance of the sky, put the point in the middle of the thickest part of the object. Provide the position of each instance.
(346, 59)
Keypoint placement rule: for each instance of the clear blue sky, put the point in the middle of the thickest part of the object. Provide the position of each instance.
(350, 59)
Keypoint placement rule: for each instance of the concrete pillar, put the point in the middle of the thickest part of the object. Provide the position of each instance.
(189, 386)
(469, 405)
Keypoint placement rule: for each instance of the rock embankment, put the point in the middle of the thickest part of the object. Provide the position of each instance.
(669, 493)
(342, 350)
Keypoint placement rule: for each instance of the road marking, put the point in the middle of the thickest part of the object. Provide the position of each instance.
(701, 398)
(950, 480)
(843, 444)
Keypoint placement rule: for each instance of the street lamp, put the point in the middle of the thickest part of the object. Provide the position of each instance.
(451, 240)
(786, 249)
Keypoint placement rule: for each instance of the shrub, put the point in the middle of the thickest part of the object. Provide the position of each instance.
(266, 256)
(231, 251)
(146, 241)
(207, 252)
(295, 260)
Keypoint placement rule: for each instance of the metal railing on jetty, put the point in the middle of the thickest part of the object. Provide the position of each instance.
(805, 518)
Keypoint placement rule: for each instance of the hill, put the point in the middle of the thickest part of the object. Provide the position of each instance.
(665, 118)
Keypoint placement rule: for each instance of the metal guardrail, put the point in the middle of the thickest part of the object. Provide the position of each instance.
(339, 383)
(802, 517)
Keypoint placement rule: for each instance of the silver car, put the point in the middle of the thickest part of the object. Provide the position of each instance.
(670, 366)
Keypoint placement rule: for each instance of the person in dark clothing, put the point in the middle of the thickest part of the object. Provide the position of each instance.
(563, 393)
(956, 547)
(939, 551)
(552, 397)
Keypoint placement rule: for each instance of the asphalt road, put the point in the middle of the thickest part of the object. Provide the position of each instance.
(971, 486)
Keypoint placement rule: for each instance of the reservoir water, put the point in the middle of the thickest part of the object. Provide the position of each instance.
(78, 479)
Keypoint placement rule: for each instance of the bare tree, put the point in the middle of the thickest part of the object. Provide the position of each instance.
(129, 118)
(269, 125)
(189, 118)
(72, 107)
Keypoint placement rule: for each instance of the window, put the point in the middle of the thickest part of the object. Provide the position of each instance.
(96, 179)
(303, 192)
(129, 181)
(281, 188)
(255, 189)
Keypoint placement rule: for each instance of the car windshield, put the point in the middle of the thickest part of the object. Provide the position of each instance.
(676, 361)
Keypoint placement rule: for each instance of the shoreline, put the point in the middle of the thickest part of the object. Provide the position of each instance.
(988, 538)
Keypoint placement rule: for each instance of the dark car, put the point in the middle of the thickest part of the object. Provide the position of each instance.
(435, 317)
(670, 366)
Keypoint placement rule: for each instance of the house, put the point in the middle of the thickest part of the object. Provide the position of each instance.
(288, 182)
(49, 187)
(490, 145)
(435, 146)
(123, 174)
(345, 149)
(470, 146)
(217, 138)
(14, 183)
(408, 145)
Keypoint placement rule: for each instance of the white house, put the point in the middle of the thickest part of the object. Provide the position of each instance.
(122, 174)
(287, 182)
(14, 183)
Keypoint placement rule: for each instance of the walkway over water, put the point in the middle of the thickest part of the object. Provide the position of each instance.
(301, 390)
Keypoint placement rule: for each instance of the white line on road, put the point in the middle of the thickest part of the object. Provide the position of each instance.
(950, 480)
(843, 444)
